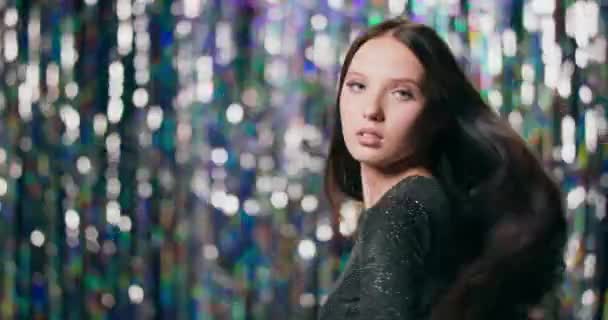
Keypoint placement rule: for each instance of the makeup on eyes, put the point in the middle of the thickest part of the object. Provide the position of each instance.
(407, 93)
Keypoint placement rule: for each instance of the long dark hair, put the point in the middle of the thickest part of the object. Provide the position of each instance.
(509, 226)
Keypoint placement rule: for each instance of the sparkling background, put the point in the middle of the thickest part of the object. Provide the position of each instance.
(164, 159)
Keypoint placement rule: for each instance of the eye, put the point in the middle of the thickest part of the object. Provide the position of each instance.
(404, 94)
(355, 86)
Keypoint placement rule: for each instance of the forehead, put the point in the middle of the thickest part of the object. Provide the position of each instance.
(387, 57)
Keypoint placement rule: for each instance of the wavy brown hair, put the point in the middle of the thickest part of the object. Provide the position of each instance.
(508, 219)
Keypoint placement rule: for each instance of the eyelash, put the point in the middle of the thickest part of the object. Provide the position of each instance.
(408, 94)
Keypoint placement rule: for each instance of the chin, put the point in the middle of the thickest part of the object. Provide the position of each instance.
(371, 157)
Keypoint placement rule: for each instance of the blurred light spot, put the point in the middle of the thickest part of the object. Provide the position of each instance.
(527, 72)
(568, 128)
(100, 124)
(3, 186)
(15, 170)
(204, 68)
(295, 190)
(183, 28)
(91, 233)
(589, 266)
(348, 214)
(396, 7)
(588, 297)
(542, 7)
(115, 110)
(123, 9)
(113, 187)
(582, 21)
(231, 204)
(264, 183)
(495, 99)
(210, 252)
(11, 47)
(251, 207)
(266, 163)
(309, 203)
(72, 219)
(192, 8)
(318, 22)
(107, 299)
(234, 113)
(509, 42)
(324, 232)
(83, 164)
(279, 183)
(113, 143)
(11, 17)
(250, 97)
(144, 189)
(113, 212)
(591, 129)
(575, 197)
(336, 4)
(219, 156)
(307, 249)
(272, 42)
(247, 160)
(37, 238)
(516, 120)
(581, 58)
(70, 117)
(494, 57)
(204, 91)
(279, 199)
(323, 52)
(527, 93)
(140, 97)
(136, 293)
(71, 90)
(293, 137)
(68, 53)
(218, 197)
(154, 118)
(125, 224)
(584, 92)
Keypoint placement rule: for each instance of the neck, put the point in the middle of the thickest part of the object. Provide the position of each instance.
(378, 180)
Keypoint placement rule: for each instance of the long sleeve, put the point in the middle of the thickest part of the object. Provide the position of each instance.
(396, 243)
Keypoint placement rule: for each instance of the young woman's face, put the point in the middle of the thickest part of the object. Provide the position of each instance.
(380, 101)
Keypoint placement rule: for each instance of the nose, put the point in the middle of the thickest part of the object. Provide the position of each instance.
(374, 111)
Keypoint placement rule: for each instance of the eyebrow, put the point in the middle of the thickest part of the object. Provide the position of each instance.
(396, 80)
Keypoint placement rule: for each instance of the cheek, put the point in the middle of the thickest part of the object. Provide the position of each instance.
(347, 115)
(402, 123)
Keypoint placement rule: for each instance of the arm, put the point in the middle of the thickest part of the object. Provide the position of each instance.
(394, 251)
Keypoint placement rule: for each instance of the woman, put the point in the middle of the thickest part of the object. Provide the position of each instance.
(460, 220)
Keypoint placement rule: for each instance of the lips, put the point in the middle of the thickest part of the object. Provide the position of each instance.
(369, 131)
(369, 137)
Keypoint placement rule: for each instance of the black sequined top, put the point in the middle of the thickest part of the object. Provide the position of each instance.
(397, 267)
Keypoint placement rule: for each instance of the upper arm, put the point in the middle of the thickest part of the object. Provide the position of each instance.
(395, 249)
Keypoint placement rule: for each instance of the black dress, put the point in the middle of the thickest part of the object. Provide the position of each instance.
(398, 264)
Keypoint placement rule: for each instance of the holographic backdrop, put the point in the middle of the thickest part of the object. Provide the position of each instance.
(163, 159)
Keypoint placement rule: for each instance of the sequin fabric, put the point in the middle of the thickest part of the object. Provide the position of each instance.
(395, 269)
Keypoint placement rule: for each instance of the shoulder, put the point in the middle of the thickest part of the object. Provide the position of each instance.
(416, 200)
(426, 192)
